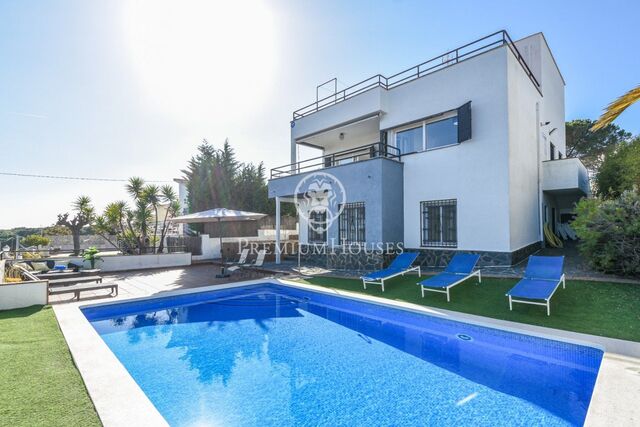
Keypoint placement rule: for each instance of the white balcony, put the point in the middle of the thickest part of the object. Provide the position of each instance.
(565, 176)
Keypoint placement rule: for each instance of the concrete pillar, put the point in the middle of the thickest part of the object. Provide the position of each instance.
(277, 230)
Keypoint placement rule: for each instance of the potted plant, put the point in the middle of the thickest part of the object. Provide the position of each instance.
(91, 255)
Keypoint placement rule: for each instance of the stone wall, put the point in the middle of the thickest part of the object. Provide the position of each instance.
(438, 258)
(441, 257)
(65, 243)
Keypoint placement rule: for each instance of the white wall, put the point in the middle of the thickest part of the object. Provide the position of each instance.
(136, 262)
(23, 295)
(523, 157)
(538, 56)
(210, 248)
(525, 132)
(474, 172)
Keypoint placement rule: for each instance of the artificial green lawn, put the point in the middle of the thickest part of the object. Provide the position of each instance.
(598, 308)
(39, 384)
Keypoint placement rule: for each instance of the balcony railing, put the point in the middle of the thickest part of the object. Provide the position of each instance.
(476, 47)
(364, 152)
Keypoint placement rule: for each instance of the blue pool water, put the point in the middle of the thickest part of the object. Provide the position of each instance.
(272, 355)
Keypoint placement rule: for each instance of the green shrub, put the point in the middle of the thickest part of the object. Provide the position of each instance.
(35, 240)
(610, 233)
(620, 170)
(91, 255)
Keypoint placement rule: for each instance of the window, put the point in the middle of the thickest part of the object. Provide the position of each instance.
(552, 149)
(351, 223)
(430, 134)
(442, 133)
(560, 155)
(410, 140)
(439, 223)
(317, 226)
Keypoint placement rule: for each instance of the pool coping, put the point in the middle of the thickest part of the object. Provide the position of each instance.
(614, 398)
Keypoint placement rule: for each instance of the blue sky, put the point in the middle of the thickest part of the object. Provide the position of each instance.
(113, 89)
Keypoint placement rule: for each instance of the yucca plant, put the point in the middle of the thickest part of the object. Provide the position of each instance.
(616, 108)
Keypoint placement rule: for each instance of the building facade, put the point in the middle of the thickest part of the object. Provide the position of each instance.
(464, 152)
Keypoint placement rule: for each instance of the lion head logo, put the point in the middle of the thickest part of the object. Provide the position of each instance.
(320, 197)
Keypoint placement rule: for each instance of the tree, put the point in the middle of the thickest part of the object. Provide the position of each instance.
(616, 108)
(170, 198)
(35, 240)
(609, 232)
(620, 170)
(211, 175)
(84, 215)
(133, 225)
(56, 230)
(215, 179)
(589, 145)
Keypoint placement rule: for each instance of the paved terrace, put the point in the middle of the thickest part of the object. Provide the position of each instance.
(142, 283)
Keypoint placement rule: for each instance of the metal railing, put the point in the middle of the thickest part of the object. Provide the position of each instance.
(476, 47)
(364, 152)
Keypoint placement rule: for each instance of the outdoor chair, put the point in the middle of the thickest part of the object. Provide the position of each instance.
(541, 279)
(399, 267)
(241, 261)
(459, 269)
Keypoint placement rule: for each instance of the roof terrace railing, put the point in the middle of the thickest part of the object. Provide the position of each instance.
(357, 154)
(476, 47)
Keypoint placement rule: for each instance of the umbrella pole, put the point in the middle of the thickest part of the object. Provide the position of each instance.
(223, 273)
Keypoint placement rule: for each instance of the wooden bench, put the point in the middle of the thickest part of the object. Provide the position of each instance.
(75, 280)
(76, 289)
(56, 276)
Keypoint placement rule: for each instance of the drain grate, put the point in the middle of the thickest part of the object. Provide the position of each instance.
(464, 337)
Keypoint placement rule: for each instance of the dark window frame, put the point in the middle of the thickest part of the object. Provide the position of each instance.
(313, 237)
(352, 223)
(446, 227)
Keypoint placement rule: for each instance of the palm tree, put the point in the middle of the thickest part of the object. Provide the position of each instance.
(616, 108)
(169, 196)
(151, 195)
(135, 187)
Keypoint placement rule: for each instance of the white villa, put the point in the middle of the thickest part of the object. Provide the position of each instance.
(464, 152)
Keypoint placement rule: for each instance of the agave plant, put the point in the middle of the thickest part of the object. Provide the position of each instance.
(616, 108)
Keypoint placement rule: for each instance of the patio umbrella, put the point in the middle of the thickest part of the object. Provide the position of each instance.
(218, 215)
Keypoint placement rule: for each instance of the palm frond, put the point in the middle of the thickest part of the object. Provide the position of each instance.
(616, 108)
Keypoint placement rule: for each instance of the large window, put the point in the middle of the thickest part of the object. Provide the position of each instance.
(439, 223)
(442, 133)
(317, 226)
(428, 135)
(410, 140)
(351, 223)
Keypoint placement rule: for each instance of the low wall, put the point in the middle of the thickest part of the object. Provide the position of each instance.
(141, 262)
(136, 262)
(25, 294)
(210, 248)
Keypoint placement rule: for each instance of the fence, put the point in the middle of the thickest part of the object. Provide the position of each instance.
(191, 244)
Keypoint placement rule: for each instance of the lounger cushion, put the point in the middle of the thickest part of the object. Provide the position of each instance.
(403, 261)
(442, 280)
(462, 263)
(544, 267)
(381, 274)
(534, 289)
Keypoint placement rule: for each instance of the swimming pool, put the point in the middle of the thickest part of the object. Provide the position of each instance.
(270, 354)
